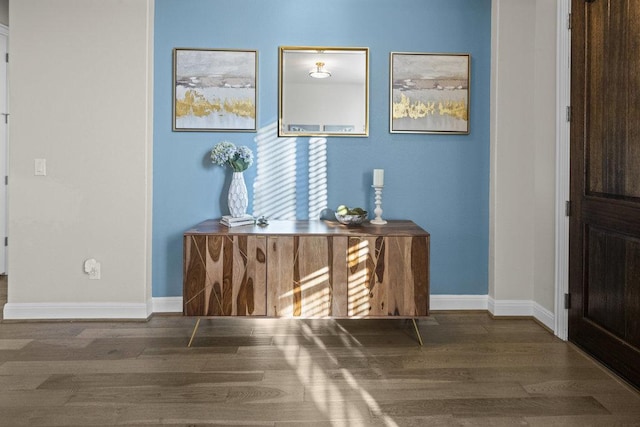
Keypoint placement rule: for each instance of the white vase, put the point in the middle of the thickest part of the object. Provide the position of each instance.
(238, 198)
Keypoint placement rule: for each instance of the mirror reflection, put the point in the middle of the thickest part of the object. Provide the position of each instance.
(323, 91)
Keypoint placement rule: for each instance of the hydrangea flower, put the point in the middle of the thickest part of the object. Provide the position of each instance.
(226, 153)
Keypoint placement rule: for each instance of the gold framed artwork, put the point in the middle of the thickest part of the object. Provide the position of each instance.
(215, 90)
(429, 92)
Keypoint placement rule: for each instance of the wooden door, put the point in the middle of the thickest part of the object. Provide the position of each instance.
(604, 244)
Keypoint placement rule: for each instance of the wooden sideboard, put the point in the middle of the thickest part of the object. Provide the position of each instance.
(306, 269)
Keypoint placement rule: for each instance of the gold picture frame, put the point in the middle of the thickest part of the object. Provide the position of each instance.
(215, 90)
(429, 92)
(337, 105)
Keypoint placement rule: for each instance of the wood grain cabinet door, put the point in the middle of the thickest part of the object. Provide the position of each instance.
(224, 275)
(387, 276)
(298, 273)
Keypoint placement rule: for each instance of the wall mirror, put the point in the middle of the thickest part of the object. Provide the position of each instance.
(323, 91)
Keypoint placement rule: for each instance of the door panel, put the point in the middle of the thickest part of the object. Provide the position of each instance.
(612, 79)
(612, 101)
(604, 243)
(613, 274)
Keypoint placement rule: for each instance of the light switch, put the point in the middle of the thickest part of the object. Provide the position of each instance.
(40, 167)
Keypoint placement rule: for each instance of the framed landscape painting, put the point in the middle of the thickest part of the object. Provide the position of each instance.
(215, 90)
(429, 93)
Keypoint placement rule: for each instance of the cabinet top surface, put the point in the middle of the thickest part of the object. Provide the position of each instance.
(316, 227)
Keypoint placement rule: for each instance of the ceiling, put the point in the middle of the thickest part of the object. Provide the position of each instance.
(346, 66)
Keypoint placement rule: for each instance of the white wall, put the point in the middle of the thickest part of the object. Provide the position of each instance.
(337, 104)
(522, 157)
(545, 153)
(81, 98)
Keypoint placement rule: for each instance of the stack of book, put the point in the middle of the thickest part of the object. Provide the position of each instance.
(230, 221)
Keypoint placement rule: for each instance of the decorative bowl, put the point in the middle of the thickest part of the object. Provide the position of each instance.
(347, 219)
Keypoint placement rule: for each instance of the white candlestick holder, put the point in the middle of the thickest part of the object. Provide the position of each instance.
(378, 210)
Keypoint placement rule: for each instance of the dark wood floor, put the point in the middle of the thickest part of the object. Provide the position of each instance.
(472, 370)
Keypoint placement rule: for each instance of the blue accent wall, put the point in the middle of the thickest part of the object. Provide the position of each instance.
(441, 182)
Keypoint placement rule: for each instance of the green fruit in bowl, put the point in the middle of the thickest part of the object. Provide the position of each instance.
(356, 211)
(342, 210)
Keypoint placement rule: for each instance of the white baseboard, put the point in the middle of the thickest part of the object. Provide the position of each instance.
(437, 302)
(458, 302)
(522, 308)
(544, 316)
(167, 305)
(41, 311)
(510, 307)
(59, 311)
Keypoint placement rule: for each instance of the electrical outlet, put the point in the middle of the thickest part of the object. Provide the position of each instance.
(92, 268)
(40, 167)
(95, 273)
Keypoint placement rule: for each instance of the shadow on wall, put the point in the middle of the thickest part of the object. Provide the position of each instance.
(282, 189)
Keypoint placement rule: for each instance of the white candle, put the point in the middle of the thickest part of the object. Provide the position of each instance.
(378, 177)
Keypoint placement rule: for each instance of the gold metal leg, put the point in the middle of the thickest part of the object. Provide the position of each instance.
(415, 326)
(195, 328)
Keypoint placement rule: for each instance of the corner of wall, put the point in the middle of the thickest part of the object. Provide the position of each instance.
(495, 16)
(522, 153)
(149, 154)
